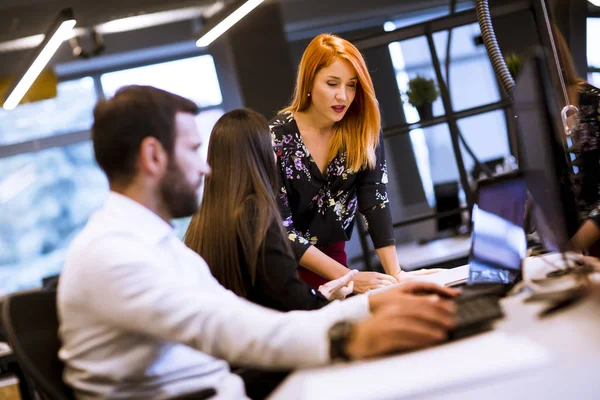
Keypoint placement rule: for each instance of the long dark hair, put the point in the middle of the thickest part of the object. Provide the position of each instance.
(238, 205)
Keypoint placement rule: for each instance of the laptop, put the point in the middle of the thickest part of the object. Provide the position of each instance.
(498, 240)
(498, 248)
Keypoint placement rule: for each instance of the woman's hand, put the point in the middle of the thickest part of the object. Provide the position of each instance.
(338, 289)
(365, 281)
(404, 276)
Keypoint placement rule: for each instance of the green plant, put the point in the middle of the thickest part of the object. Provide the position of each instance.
(514, 64)
(421, 91)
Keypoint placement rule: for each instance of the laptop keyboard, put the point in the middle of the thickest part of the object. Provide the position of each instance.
(475, 314)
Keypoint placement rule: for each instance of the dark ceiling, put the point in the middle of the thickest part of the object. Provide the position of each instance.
(21, 18)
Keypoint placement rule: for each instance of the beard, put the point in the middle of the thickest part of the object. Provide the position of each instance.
(179, 196)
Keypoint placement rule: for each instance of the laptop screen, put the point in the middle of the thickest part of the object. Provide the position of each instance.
(498, 239)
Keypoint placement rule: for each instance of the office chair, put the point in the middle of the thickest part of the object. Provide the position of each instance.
(31, 323)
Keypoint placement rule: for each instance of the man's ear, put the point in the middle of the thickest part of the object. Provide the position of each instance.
(152, 157)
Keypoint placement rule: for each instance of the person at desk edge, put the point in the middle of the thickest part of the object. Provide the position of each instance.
(330, 153)
(141, 316)
(585, 140)
(238, 230)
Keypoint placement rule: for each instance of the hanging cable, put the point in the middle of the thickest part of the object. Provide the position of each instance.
(568, 106)
(491, 44)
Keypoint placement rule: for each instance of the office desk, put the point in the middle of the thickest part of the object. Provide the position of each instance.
(414, 256)
(568, 368)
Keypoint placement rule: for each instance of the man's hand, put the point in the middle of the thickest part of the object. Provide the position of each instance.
(591, 261)
(397, 293)
(408, 322)
(365, 281)
(338, 289)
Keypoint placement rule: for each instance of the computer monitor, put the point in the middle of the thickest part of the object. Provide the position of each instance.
(498, 240)
(542, 154)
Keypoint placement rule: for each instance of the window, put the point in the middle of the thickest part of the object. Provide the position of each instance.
(194, 78)
(594, 78)
(593, 50)
(469, 63)
(70, 110)
(487, 136)
(46, 198)
(410, 58)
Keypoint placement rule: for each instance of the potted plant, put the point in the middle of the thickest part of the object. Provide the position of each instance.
(514, 64)
(421, 93)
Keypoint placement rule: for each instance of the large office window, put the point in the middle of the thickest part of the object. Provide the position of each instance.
(486, 134)
(70, 110)
(194, 78)
(47, 196)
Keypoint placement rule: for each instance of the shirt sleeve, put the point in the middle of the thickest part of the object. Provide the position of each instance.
(373, 201)
(139, 295)
(298, 242)
(594, 215)
(277, 278)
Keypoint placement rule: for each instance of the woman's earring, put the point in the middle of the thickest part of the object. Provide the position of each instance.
(308, 95)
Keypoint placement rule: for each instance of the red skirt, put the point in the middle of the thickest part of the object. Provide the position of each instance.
(336, 251)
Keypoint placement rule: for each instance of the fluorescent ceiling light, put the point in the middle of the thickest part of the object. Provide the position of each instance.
(25, 43)
(52, 42)
(233, 18)
(149, 20)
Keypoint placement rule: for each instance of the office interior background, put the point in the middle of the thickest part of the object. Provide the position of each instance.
(50, 182)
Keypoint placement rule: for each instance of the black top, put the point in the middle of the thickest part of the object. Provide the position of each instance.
(586, 137)
(276, 285)
(319, 209)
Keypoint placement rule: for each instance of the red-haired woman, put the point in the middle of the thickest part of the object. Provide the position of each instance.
(330, 154)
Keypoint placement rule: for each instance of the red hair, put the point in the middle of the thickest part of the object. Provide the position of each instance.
(358, 132)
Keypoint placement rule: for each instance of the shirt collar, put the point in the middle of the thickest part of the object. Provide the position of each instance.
(137, 219)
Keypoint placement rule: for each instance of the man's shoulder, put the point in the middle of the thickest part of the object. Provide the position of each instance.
(101, 245)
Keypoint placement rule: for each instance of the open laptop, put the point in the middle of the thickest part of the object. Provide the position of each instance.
(498, 240)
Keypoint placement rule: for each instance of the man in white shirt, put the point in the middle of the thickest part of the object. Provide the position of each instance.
(141, 316)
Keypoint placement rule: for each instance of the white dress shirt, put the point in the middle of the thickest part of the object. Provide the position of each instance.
(141, 316)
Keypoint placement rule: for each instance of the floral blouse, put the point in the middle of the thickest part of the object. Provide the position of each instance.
(319, 209)
(586, 174)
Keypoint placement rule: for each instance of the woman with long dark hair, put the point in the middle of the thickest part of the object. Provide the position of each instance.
(238, 229)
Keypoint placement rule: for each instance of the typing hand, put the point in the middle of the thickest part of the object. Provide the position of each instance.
(338, 289)
(365, 281)
(409, 322)
(591, 261)
(398, 293)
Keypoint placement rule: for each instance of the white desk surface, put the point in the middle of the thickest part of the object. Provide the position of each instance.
(413, 255)
(567, 369)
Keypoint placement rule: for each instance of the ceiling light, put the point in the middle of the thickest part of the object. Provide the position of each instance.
(229, 16)
(149, 20)
(58, 32)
